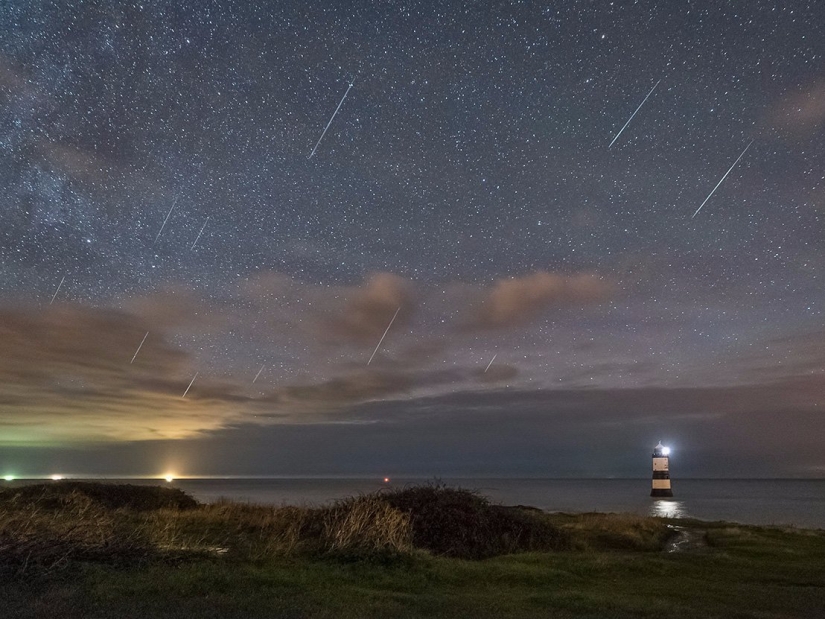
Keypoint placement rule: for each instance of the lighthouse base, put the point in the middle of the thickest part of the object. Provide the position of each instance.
(661, 492)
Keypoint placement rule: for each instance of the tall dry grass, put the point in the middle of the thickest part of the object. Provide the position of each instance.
(34, 537)
(366, 523)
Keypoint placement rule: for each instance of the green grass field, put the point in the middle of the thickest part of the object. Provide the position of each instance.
(360, 559)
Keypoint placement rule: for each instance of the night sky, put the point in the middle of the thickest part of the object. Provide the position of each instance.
(468, 178)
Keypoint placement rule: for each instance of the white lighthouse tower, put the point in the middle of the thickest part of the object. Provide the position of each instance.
(661, 472)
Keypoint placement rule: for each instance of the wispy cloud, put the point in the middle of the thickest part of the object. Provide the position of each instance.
(515, 301)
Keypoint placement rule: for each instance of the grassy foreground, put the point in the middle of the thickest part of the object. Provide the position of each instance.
(88, 550)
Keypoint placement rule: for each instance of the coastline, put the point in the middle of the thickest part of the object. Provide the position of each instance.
(784, 502)
(132, 552)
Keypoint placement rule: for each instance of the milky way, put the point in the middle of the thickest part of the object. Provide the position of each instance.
(466, 179)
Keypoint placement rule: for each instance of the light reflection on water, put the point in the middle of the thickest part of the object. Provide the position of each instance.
(667, 508)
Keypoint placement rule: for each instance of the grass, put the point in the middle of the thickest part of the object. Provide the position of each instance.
(615, 531)
(386, 555)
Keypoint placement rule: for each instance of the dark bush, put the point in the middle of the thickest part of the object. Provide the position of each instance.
(460, 523)
(53, 495)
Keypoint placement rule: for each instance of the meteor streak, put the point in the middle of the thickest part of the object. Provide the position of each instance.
(722, 179)
(330, 122)
(385, 335)
(634, 113)
(258, 374)
(190, 385)
(491, 362)
(138, 348)
(164, 221)
(199, 233)
(58, 290)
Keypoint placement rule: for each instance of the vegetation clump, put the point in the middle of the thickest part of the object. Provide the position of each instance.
(46, 527)
(110, 496)
(43, 537)
(463, 524)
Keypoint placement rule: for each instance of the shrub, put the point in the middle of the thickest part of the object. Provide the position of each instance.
(461, 523)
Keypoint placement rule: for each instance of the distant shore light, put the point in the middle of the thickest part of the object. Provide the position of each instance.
(169, 478)
(56, 477)
(386, 480)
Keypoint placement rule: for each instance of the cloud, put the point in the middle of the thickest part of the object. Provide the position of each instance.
(176, 307)
(343, 313)
(497, 373)
(619, 407)
(77, 162)
(423, 352)
(65, 371)
(65, 374)
(745, 431)
(517, 300)
(359, 314)
(359, 387)
(65, 379)
(800, 113)
(370, 308)
(267, 285)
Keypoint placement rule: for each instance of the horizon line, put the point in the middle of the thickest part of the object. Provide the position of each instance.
(92, 477)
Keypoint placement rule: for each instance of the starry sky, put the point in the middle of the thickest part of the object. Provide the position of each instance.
(171, 224)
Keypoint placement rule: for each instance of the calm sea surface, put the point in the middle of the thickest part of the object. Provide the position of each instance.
(752, 501)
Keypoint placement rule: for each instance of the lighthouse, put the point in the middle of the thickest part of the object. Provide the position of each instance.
(661, 472)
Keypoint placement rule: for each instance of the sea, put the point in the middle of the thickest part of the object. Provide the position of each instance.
(787, 502)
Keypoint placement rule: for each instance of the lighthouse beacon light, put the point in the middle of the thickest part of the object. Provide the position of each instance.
(660, 484)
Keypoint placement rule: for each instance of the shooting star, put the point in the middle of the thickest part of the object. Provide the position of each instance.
(175, 201)
(385, 335)
(58, 290)
(491, 362)
(138, 348)
(634, 113)
(722, 179)
(199, 233)
(190, 385)
(258, 374)
(330, 121)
